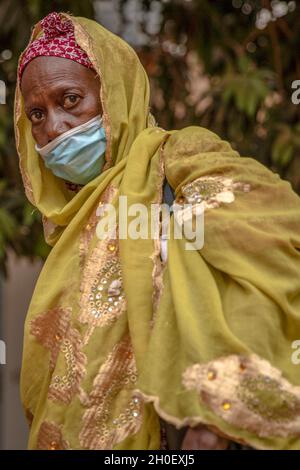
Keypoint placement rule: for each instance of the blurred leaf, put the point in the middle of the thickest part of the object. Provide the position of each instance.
(247, 92)
(29, 214)
(283, 147)
(7, 224)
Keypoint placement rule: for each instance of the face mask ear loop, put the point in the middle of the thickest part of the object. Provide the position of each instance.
(51, 145)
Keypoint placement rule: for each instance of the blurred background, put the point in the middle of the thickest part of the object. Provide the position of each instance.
(227, 66)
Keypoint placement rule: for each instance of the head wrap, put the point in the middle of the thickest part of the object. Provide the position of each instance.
(58, 40)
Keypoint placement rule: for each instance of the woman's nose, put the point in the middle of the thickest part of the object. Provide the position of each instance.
(54, 127)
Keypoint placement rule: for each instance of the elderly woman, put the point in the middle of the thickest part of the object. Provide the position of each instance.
(128, 346)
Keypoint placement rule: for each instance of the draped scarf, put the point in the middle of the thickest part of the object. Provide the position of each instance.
(115, 337)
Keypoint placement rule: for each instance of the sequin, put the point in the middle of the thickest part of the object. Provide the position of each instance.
(262, 401)
(158, 265)
(212, 191)
(50, 437)
(180, 200)
(64, 387)
(111, 247)
(114, 288)
(102, 283)
(53, 446)
(67, 361)
(88, 232)
(256, 393)
(211, 375)
(102, 427)
(49, 327)
(226, 406)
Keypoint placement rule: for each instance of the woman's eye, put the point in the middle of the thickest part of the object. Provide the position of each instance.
(70, 101)
(36, 116)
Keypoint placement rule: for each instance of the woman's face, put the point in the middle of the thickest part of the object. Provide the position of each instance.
(59, 94)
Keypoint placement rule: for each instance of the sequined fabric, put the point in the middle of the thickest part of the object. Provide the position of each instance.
(212, 191)
(104, 423)
(249, 393)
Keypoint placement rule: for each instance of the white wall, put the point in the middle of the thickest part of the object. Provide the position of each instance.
(15, 298)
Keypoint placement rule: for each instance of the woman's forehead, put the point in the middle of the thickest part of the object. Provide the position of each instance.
(52, 66)
(55, 72)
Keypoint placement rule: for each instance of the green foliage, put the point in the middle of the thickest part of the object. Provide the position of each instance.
(286, 145)
(209, 65)
(234, 77)
(247, 88)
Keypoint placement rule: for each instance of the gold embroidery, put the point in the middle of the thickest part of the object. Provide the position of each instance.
(64, 387)
(86, 235)
(249, 393)
(52, 329)
(158, 265)
(258, 392)
(212, 191)
(50, 437)
(46, 328)
(88, 232)
(113, 412)
(102, 297)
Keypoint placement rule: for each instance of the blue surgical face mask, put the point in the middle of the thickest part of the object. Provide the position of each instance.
(77, 155)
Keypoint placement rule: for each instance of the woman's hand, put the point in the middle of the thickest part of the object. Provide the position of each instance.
(201, 438)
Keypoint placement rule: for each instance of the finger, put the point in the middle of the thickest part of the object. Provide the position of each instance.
(201, 438)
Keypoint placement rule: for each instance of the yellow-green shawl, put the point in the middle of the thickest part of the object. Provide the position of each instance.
(205, 337)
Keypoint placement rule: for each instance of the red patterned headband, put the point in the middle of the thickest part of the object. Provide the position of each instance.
(58, 41)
